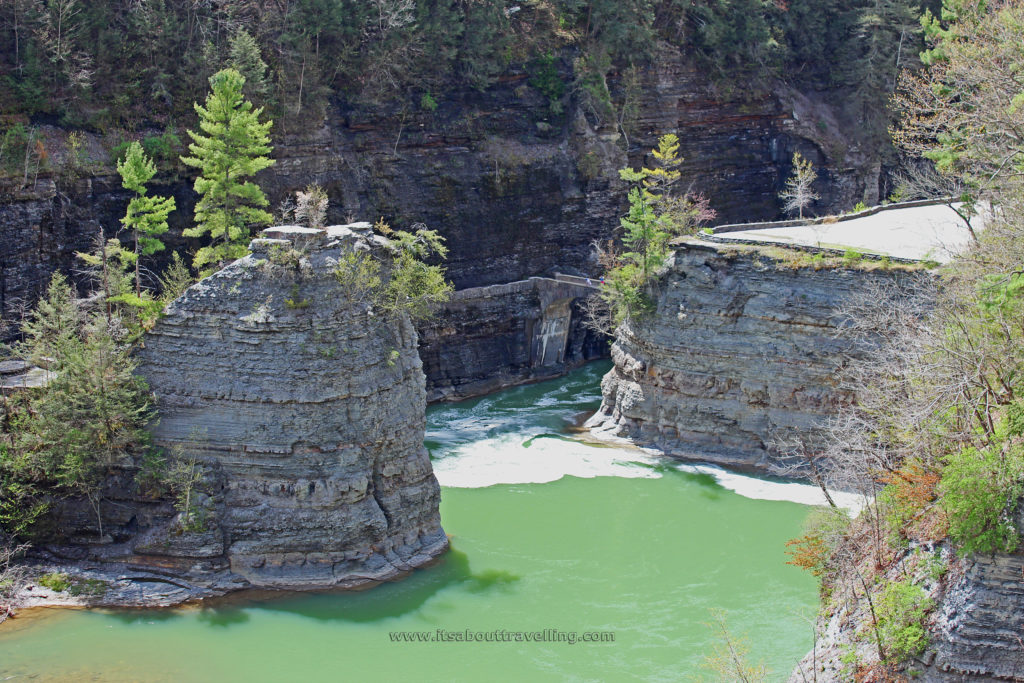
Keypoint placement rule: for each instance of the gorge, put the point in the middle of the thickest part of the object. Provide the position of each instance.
(185, 414)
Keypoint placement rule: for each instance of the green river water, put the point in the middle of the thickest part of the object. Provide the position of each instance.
(547, 533)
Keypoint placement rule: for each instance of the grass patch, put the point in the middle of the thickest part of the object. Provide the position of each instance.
(55, 581)
(88, 587)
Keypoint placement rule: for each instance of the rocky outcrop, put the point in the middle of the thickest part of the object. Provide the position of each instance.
(978, 627)
(742, 351)
(306, 410)
(292, 416)
(486, 338)
(974, 628)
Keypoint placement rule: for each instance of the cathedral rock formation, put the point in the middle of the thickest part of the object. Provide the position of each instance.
(303, 412)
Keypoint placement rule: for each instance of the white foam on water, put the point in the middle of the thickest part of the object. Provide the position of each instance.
(764, 489)
(505, 460)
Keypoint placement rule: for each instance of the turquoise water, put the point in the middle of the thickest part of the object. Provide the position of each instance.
(547, 532)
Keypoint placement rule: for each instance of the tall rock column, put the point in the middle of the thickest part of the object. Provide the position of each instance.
(305, 410)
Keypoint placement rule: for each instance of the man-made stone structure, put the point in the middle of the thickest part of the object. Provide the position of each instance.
(301, 411)
(490, 337)
(742, 351)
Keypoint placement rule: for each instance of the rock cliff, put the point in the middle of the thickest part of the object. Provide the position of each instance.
(309, 412)
(517, 192)
(974, 629)
(298, 415)
(741, 351)
(486, 338)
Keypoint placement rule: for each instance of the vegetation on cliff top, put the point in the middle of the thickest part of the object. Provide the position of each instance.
(658, 211)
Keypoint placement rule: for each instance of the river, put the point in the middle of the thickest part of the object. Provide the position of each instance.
(551, 536)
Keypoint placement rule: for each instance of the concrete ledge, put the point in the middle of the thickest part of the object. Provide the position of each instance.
(822, 220)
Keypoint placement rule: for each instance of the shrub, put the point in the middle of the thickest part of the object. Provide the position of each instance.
(901, 612)
(55, 581)
(823, 531)
(907, 493)
(979, 490)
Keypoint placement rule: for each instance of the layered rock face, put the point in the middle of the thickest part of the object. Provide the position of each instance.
(305, 415)
(516, 191)
(742, 351)
(974, 630)
(490, 337)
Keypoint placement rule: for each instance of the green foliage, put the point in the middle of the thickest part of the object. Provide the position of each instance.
(184, 476)
(89, 587)
(428, 103)
(824, 529)
(544, 77)
(295, 301)
(860, 206)
(55, 581)
(901, 612)
(851, 257)
(655, 216)
(90, 414)
(146, 217)
(979, 492)
(413, 285)
(162, 148)
(175, 279)
(232, 146)
(246, 59)
(408, 285)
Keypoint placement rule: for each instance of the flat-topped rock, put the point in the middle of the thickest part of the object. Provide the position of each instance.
(305, 411)
(742, 351)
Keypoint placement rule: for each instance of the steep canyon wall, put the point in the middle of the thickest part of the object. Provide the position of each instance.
(516, 190)
(743, 350)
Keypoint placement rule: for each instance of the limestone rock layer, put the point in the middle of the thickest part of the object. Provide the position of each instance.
(742, 352)
(303, 409)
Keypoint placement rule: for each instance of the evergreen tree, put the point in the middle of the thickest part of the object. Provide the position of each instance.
(146, 216)
(655, 216)
(234, 147)
(246, 58)
(90, 413)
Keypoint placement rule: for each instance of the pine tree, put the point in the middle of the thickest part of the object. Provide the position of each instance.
(234, 147)
(90, 413)
(146, 216)
(248, 61)
(655, 216)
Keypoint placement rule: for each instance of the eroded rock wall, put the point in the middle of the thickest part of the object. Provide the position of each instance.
(517, 192)
(742, 351)
(486, 338)
(305, 413)
(975, 626)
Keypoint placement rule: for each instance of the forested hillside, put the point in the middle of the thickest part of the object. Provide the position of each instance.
(131, 63)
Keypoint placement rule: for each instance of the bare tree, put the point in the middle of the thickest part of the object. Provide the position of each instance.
(13, 578)
(799, 192)
(311, 206)
(957, 193)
